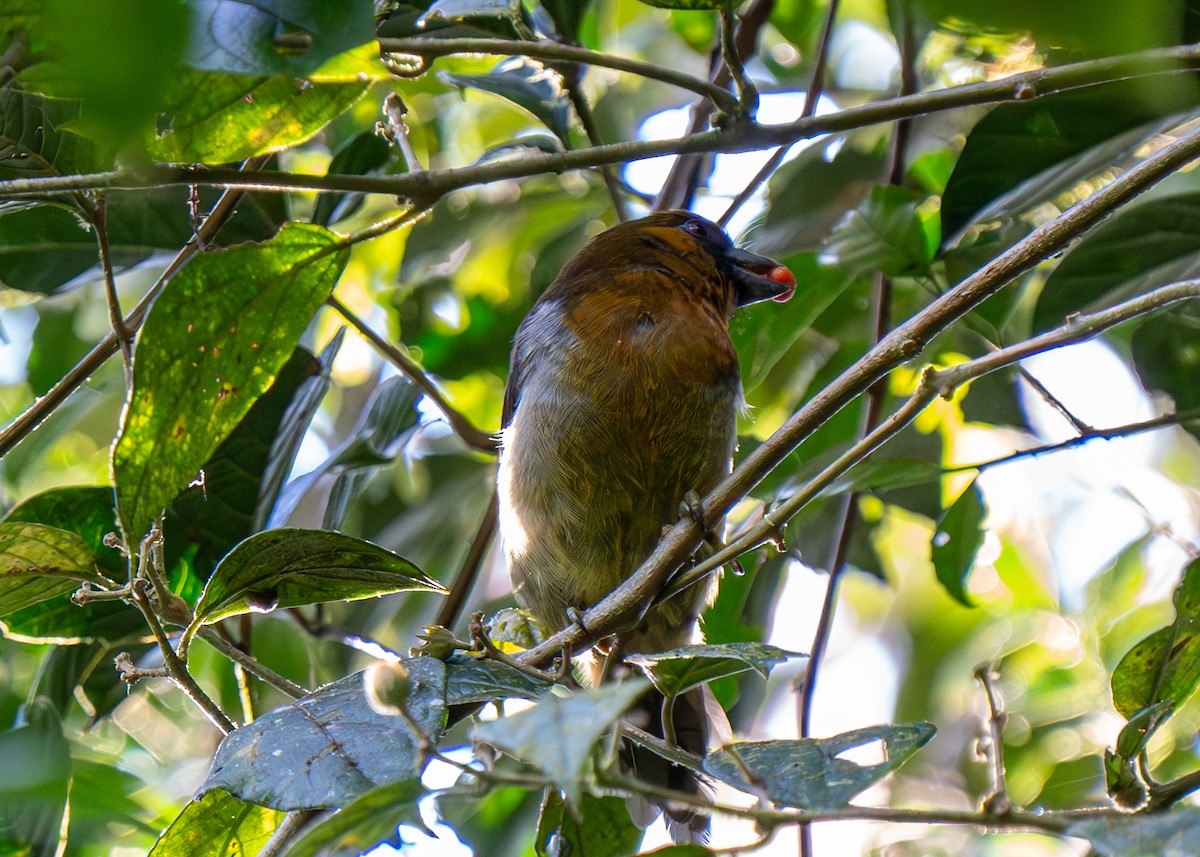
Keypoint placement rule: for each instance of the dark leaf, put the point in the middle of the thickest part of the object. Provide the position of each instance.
(527, 84)
(557, 734)
(291, 568)
(1165, 666)
(689, 4)
(329, 748)
(810, 773)
(196, 373)
(35, 140)
(365, 154)
(470, 679)
(1019, 141)
(1151, 245)
(241, 37)
(1166, 357)
(218, 825)
(1141, 835)
(678, 670)
(957, 539)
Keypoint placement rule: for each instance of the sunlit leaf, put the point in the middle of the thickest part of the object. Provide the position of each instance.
(330, 747)
(38, 562)
(1166, 665)
(210, 346)
(217, 824)
(527, 84)
(810, 773)
(291, 568)
(370, 820)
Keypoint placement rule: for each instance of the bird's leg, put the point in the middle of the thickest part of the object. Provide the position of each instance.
(693, 507)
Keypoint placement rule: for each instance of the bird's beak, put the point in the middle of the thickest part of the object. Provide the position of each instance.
(757, 278)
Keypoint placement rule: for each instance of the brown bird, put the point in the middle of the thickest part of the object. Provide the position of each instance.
(622, 398)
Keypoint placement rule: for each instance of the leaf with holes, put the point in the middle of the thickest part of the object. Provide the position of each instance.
(810, 773)
(679, 670)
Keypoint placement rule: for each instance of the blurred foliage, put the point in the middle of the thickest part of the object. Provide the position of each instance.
(307, 499)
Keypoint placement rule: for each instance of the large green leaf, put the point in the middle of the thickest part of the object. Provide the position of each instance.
(471, 679)
(1017, 141)
(810, 773)
(1150, 245)
(217, 117)
(527, 84)
(1165, 666)
(217, 824)
(38, 562)
(558, 734)
(291, 568)
(679, 670)
(330, 747)
(885, 233)
(210, 347)
(1166, 356)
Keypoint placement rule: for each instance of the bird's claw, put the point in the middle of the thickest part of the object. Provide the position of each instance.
(693, 507)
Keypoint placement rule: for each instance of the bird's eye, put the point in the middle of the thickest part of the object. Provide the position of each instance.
(704, 230)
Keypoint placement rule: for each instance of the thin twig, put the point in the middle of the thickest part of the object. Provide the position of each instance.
(558, 52)
(33, 416)
(288, 829)
(464, 581)
(747, 92)
(473, 437)
(251, 664)
(179, 672)
(98, 214)
(1053, 401)
(996, 802)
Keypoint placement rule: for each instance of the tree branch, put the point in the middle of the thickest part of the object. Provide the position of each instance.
(625, 604)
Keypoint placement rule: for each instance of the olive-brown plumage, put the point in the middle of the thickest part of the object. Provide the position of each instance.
(622, 397)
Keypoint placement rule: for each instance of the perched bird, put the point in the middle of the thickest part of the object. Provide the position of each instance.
(622, 398)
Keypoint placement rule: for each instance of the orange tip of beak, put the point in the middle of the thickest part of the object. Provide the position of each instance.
(784, 277)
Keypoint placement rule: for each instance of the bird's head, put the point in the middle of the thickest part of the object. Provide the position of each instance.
(692, 253)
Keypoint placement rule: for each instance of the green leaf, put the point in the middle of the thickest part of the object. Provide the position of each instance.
(329, 748)
(689, 4)
(36, 760)
(1165, 666)
(366, 822)
(597, 827)
(38, 562)
(236, 36)
(1166, 354)
(956, 540)
(35, 140)
(212, 344)
(1019, 141)
(365, 154)
(86, 511)
(206, 521)
(809, 773)
(218, 825)
(678, 670)
(291, 568)
(470, 679)
(885, 233)
(217, 118)
(1141, 835)
(557, 734)
(1153, 244)
(527, 84)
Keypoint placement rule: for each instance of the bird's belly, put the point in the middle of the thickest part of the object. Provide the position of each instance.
(587, 484)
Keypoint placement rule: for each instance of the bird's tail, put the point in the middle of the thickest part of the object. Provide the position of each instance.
(690, 720)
